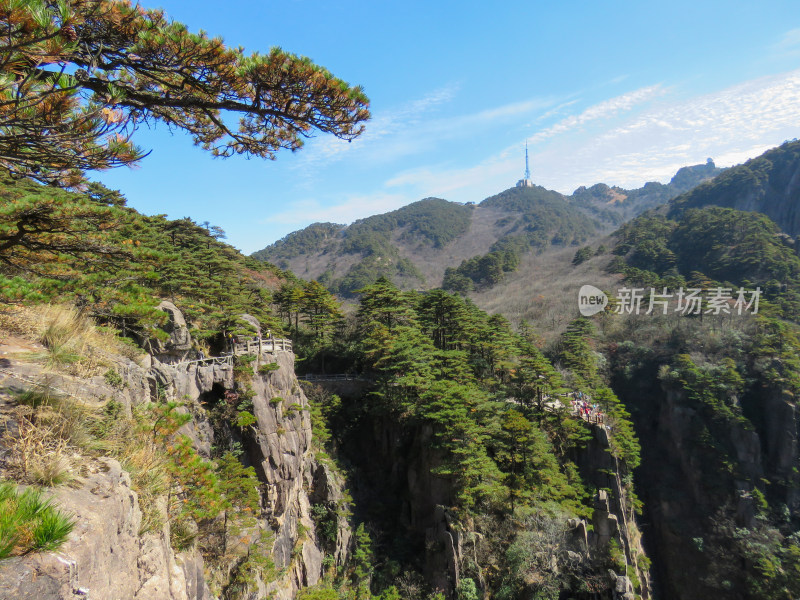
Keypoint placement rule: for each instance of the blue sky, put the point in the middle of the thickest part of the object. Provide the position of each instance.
(614, 92)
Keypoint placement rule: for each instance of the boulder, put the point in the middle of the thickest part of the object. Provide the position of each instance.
(176, 348)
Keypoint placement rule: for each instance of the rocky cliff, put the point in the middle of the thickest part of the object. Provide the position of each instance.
(106, 557)
(396, 482)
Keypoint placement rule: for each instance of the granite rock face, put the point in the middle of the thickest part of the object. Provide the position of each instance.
(104, 558)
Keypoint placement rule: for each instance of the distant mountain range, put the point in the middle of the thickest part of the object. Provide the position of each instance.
(466, 246)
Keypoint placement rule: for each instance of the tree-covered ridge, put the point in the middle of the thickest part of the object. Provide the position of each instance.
(119, 264)
(434, 220)
(767, 184)
(710, 246)
(314, 238)
(544, 219)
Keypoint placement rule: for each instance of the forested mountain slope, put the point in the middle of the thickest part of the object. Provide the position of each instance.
(434, 242)
(769, 184)
(714, 389)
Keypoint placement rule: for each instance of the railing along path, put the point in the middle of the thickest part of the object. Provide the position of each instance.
(256, 347)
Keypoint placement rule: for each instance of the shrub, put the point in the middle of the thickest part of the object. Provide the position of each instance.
(268, 368)
(29, 522)
(467, 590)
(114, 379)
(245, 419)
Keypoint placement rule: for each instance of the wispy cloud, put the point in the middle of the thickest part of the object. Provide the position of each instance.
(634, 140)
(344, 210)
(735, 123)
(603, 110)
(383, 125)
(415, 128)
(789, 40)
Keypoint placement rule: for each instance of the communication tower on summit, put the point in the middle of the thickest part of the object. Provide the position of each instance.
(526, 182)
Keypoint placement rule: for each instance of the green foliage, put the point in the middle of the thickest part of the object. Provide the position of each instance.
(481, 271)
(582, 255)
(467, 590)
(546, 219)
(114, 379)
(435, 220)
(318, 593)
(326, 520)
(712, 247)
(439, 360)
(268, 368)
(314, 238)
(29, 522)
(256, 565)
(245, 419)
(760, 184)
(432, 221)
(362, 563)
(119, 264)
(119, 72)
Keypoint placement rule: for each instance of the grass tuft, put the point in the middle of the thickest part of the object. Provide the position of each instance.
(29, 522)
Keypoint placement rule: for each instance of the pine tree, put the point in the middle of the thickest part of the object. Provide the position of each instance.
(239, 487)
(78, 78)
(320, 309)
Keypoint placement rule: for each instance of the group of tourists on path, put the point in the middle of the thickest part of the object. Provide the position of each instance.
(585, 408)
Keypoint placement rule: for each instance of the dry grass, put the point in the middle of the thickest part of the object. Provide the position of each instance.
(129, 440)
(74, 343)
(51, 436)
(55, 438)
(544, 290)
(147, 466)
(40, 454)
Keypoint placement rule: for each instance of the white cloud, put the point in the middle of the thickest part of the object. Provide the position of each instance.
(413, 129)
(641, 136)
(603, 110)
(382, 125)
(732, 124)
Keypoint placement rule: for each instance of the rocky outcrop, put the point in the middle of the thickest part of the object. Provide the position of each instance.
(613, 517)
(327, 489)
(105, 557)
(179, 343)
